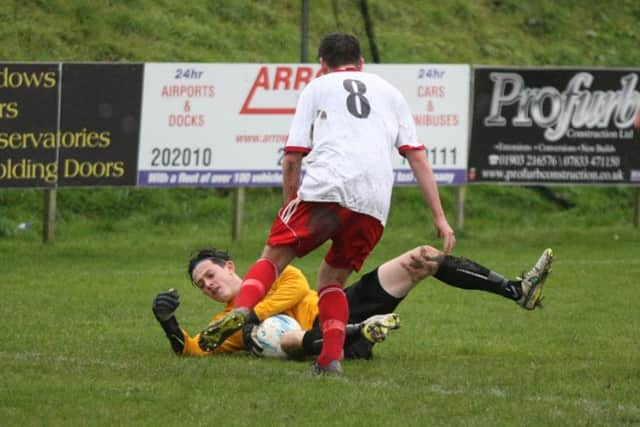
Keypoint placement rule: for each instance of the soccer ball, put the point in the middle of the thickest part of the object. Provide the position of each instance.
(269, 332)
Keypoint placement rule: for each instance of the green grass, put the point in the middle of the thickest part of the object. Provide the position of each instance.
(505, 32)
(80, 345)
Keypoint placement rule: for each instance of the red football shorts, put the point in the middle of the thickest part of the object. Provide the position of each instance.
(307, 225)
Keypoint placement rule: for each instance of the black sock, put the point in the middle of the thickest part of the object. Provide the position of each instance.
(466, 274)
(312, 342)
(312, 339)
(174, 334)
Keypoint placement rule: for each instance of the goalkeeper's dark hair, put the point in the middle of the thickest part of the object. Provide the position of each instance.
(338, 49)
(216, 256)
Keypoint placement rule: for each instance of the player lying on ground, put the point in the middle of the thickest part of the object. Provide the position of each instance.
(377, 293)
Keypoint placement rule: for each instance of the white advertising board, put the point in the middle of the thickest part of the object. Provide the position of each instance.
(225, 125)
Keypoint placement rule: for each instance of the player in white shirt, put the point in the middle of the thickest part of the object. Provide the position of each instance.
(347, 123)
(358, 121)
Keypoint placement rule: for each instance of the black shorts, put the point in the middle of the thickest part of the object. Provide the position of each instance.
(366, 298)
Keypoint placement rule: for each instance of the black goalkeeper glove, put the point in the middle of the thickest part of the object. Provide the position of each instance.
(249, 338)
(166, 304)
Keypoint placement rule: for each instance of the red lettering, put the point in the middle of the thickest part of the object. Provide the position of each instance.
(262, 80)
(436, 120)
(283, 75)
(303, 77)
(284, 79)
(431, 91)
(186, 120)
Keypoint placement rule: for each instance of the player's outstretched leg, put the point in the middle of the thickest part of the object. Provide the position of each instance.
(375, 328)
(532, 282)
(215, 334)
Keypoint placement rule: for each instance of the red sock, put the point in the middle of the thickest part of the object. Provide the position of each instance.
(256, 283)
(333, 311)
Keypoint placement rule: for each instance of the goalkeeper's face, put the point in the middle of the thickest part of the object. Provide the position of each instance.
(218, 282)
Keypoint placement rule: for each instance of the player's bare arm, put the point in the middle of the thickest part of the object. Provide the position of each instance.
(291, 165)
(427, 183)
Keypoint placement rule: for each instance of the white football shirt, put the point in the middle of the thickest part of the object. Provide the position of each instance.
(350, 123)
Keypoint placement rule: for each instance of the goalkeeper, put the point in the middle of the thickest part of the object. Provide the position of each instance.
(372, 299)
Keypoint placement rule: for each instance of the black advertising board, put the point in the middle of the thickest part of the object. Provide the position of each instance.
(100, 115)
(29, 97)
(555, 126)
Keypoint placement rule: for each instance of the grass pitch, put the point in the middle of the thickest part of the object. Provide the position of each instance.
(80, 345)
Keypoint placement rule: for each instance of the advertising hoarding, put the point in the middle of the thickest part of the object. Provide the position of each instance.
(555, 125)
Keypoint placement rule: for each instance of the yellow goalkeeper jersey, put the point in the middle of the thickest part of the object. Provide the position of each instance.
(290, 295)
